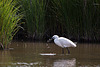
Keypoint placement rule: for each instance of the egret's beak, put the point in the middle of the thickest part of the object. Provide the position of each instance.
(50, 40)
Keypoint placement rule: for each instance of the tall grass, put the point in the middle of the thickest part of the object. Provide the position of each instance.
(77, 18)
(9, 21)
(35, 16)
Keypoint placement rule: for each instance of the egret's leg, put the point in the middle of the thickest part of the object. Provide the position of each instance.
(62, 50)
(68, 50)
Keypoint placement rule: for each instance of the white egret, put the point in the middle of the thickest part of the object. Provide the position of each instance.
(62, 42)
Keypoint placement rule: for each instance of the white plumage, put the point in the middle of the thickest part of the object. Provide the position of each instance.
(63, 42)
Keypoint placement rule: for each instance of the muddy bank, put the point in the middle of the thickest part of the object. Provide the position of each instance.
(25, 36)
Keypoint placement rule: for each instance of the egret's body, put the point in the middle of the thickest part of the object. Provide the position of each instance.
(63, 42)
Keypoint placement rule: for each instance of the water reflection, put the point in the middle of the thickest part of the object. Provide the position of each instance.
(26, 64)
(65, 63)
(5, 58)
(39, 55)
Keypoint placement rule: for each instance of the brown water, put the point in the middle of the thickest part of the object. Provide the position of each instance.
(43, 55)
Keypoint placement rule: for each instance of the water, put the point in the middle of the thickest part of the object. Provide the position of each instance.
(49, 55)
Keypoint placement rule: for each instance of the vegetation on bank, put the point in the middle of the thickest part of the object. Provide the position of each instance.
(9, 21)
(74, 19)
(34, 11)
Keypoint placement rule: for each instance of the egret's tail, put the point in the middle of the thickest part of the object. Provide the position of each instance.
(74, 44)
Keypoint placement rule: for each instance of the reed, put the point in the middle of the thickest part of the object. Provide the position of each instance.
(9, 21)
(77, 18)
(35, 16)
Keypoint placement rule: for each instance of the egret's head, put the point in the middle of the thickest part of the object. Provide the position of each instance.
(55, 36)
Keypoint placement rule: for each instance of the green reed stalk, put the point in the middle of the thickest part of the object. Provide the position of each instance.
(78, 18)
(67, 13)
(9, 19)
(34, 16)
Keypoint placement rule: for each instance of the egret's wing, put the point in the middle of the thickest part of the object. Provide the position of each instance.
(57, 42)
(66, 42)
